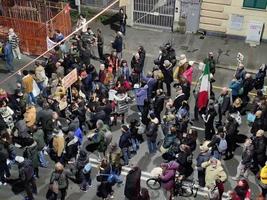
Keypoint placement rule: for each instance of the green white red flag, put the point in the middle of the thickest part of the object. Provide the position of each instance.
(204, 91)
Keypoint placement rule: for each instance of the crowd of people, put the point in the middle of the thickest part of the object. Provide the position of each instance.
(43, 117)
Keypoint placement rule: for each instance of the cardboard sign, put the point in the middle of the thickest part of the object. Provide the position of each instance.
(70, 78)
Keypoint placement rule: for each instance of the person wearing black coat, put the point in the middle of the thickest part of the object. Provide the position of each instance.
(167, 70)
(258, 123)
(223, 104)
(209, 122)
(152, 133)
(260, 76)
(180, 97)
(248, 85)
(133, 184)
(158, 103)
(82, 178)
(125, 143)
(231, 129)
(142, 54)
(117, 44)
(259, 143)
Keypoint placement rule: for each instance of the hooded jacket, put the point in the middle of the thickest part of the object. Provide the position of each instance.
(168, 176)
(152, 130)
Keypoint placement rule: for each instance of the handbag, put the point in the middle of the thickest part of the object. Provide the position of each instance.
(54, 187)
(251, 117)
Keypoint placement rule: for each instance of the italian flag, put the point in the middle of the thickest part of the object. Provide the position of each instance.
(204, 91)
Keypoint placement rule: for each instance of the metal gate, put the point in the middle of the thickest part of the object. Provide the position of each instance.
(190, 10)
(154, 13)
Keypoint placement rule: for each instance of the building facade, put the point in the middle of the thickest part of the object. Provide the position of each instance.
(234, 17)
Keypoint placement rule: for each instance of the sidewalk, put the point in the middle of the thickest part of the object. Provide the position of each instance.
(225, 49)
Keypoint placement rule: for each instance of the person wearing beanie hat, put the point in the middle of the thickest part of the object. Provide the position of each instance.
(124, 144)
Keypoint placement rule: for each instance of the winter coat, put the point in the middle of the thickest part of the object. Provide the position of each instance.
(235, 86)
(122, 104)
(213, 174)
(168, 176)
(201, 158)
(117, 44)
(132, 184)
(159, 104)
(224, 102)
(259, 79)
(30, 116)
(124, 141)
(71, 148)
(260, 148)
(168, 74)
(256, 125)
(38, 137)
(58, 144)
(141, 95)
(248, 85)
(22, 129)
(61, 178)
(169, 140)
(26, 171)
(188, 74)
(32, 153)
(240, 73)
(152, 130)
(151, 82)
(177, 103)
(247, 156)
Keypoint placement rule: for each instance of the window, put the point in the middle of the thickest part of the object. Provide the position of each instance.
(259, 4)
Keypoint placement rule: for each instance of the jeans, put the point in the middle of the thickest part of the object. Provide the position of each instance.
(242, 170)
(9, 65)
(43, 161)
(140, 108)
(31, 98)
(16, 53)
(123, 29)
(216, 154)
(4, 171)
(40, 85)
(135, 144)
(126, 155)
(152, 147)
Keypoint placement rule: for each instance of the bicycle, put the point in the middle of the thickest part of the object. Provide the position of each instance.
(183, 187)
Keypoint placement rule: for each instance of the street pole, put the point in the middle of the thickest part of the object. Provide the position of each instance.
(78, 3)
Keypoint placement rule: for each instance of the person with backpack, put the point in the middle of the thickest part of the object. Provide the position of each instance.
(218, 144)
(152, 133)
(58, 183)
(26, 176)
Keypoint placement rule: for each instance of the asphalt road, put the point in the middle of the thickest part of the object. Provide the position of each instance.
(145, 161)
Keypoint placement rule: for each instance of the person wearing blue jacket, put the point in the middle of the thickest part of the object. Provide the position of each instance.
(236, 86)
(141, 96)
(9, 57)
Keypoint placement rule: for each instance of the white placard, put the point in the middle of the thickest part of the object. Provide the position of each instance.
(254, 32)
(236, 22)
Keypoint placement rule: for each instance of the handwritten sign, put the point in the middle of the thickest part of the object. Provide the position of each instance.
(70, 78)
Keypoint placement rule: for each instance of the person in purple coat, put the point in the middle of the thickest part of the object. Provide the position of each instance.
(168, 176)
(141, 96)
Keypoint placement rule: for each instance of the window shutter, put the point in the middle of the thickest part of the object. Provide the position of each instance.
(261, 4)
(249, 3)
